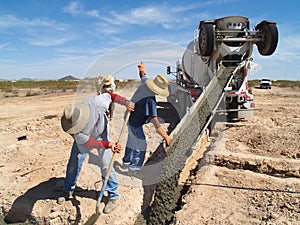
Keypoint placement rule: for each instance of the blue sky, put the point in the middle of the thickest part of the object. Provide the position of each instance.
(50, 39)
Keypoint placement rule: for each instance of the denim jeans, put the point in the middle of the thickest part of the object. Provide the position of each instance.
(78, 155)
(136, 147)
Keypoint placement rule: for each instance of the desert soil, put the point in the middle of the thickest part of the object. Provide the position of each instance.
(248, 174)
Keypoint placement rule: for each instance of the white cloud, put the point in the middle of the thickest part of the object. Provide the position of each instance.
(149, 16)
(37, 31)
(11, 21)
(75, 8)
(105, 28)
(2, 46)
(81, 51)
(46, 41)
(168, 16)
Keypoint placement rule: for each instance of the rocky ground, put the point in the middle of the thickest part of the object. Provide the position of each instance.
(249, 174)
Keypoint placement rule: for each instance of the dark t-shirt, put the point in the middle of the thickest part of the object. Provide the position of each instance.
(144, 109)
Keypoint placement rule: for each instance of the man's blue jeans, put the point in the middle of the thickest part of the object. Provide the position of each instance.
(78, 155)
(136, 147)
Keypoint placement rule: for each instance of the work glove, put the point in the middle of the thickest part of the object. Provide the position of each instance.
(163, 133)
(142, 70)
(141, 66)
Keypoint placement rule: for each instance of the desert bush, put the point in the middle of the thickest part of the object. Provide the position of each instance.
(8, 94)
(48, 85)
(32, 88)
(33, 92)
(287, 83)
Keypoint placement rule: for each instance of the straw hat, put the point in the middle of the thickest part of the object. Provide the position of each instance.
(159, 85)
(108, 80)
(75, 118)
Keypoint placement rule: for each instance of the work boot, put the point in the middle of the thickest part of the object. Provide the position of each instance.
(124, 167)
(67, 195)
(111, 205)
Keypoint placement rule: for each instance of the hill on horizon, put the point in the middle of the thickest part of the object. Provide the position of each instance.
(69, 77)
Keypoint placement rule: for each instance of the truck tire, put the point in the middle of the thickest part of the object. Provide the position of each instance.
(269, 40)
(206, 39)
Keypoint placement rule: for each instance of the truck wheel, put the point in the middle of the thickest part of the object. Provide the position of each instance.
(206, 39)
(269, 40)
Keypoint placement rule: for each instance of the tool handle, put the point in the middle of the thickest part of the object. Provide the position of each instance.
(111, 165)
(124, 124)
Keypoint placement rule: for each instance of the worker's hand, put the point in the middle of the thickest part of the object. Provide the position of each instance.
(130, 106)
(168, 139)
(142, 70)
(141, 66)
(164, 134)
(115, 147)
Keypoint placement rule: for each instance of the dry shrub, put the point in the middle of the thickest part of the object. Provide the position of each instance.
(33, 92)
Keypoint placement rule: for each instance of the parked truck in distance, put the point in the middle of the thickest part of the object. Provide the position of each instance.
(221, 44)
(265, 83)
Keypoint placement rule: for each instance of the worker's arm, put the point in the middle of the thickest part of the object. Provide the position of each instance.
(93, 143)
(160, 130)
(122, 100)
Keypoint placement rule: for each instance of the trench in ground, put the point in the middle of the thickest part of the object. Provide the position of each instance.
(263, 165)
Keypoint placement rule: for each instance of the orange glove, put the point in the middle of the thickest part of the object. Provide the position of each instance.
(163, 133)
(141, 66)
(142, 70)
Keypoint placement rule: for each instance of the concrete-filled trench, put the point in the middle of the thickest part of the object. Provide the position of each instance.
(169, 162)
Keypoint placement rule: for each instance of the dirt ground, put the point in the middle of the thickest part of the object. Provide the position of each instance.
(249, 173)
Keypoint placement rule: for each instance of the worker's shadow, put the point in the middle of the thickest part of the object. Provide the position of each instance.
(21, 208)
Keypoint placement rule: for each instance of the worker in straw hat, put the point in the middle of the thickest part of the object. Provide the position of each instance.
(145, 112)
(108, 86)
(87, 123)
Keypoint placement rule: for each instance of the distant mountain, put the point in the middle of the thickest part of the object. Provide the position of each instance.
(26, 79)
(69, 78)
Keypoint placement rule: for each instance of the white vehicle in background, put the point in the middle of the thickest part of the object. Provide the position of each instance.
(223, 45)
(265, 83)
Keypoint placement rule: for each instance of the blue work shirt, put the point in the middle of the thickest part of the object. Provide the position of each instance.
(145, 106)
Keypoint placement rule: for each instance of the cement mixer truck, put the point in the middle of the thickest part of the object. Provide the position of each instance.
(225, 42)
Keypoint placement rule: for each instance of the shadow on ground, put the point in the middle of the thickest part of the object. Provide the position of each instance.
(22, 207)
